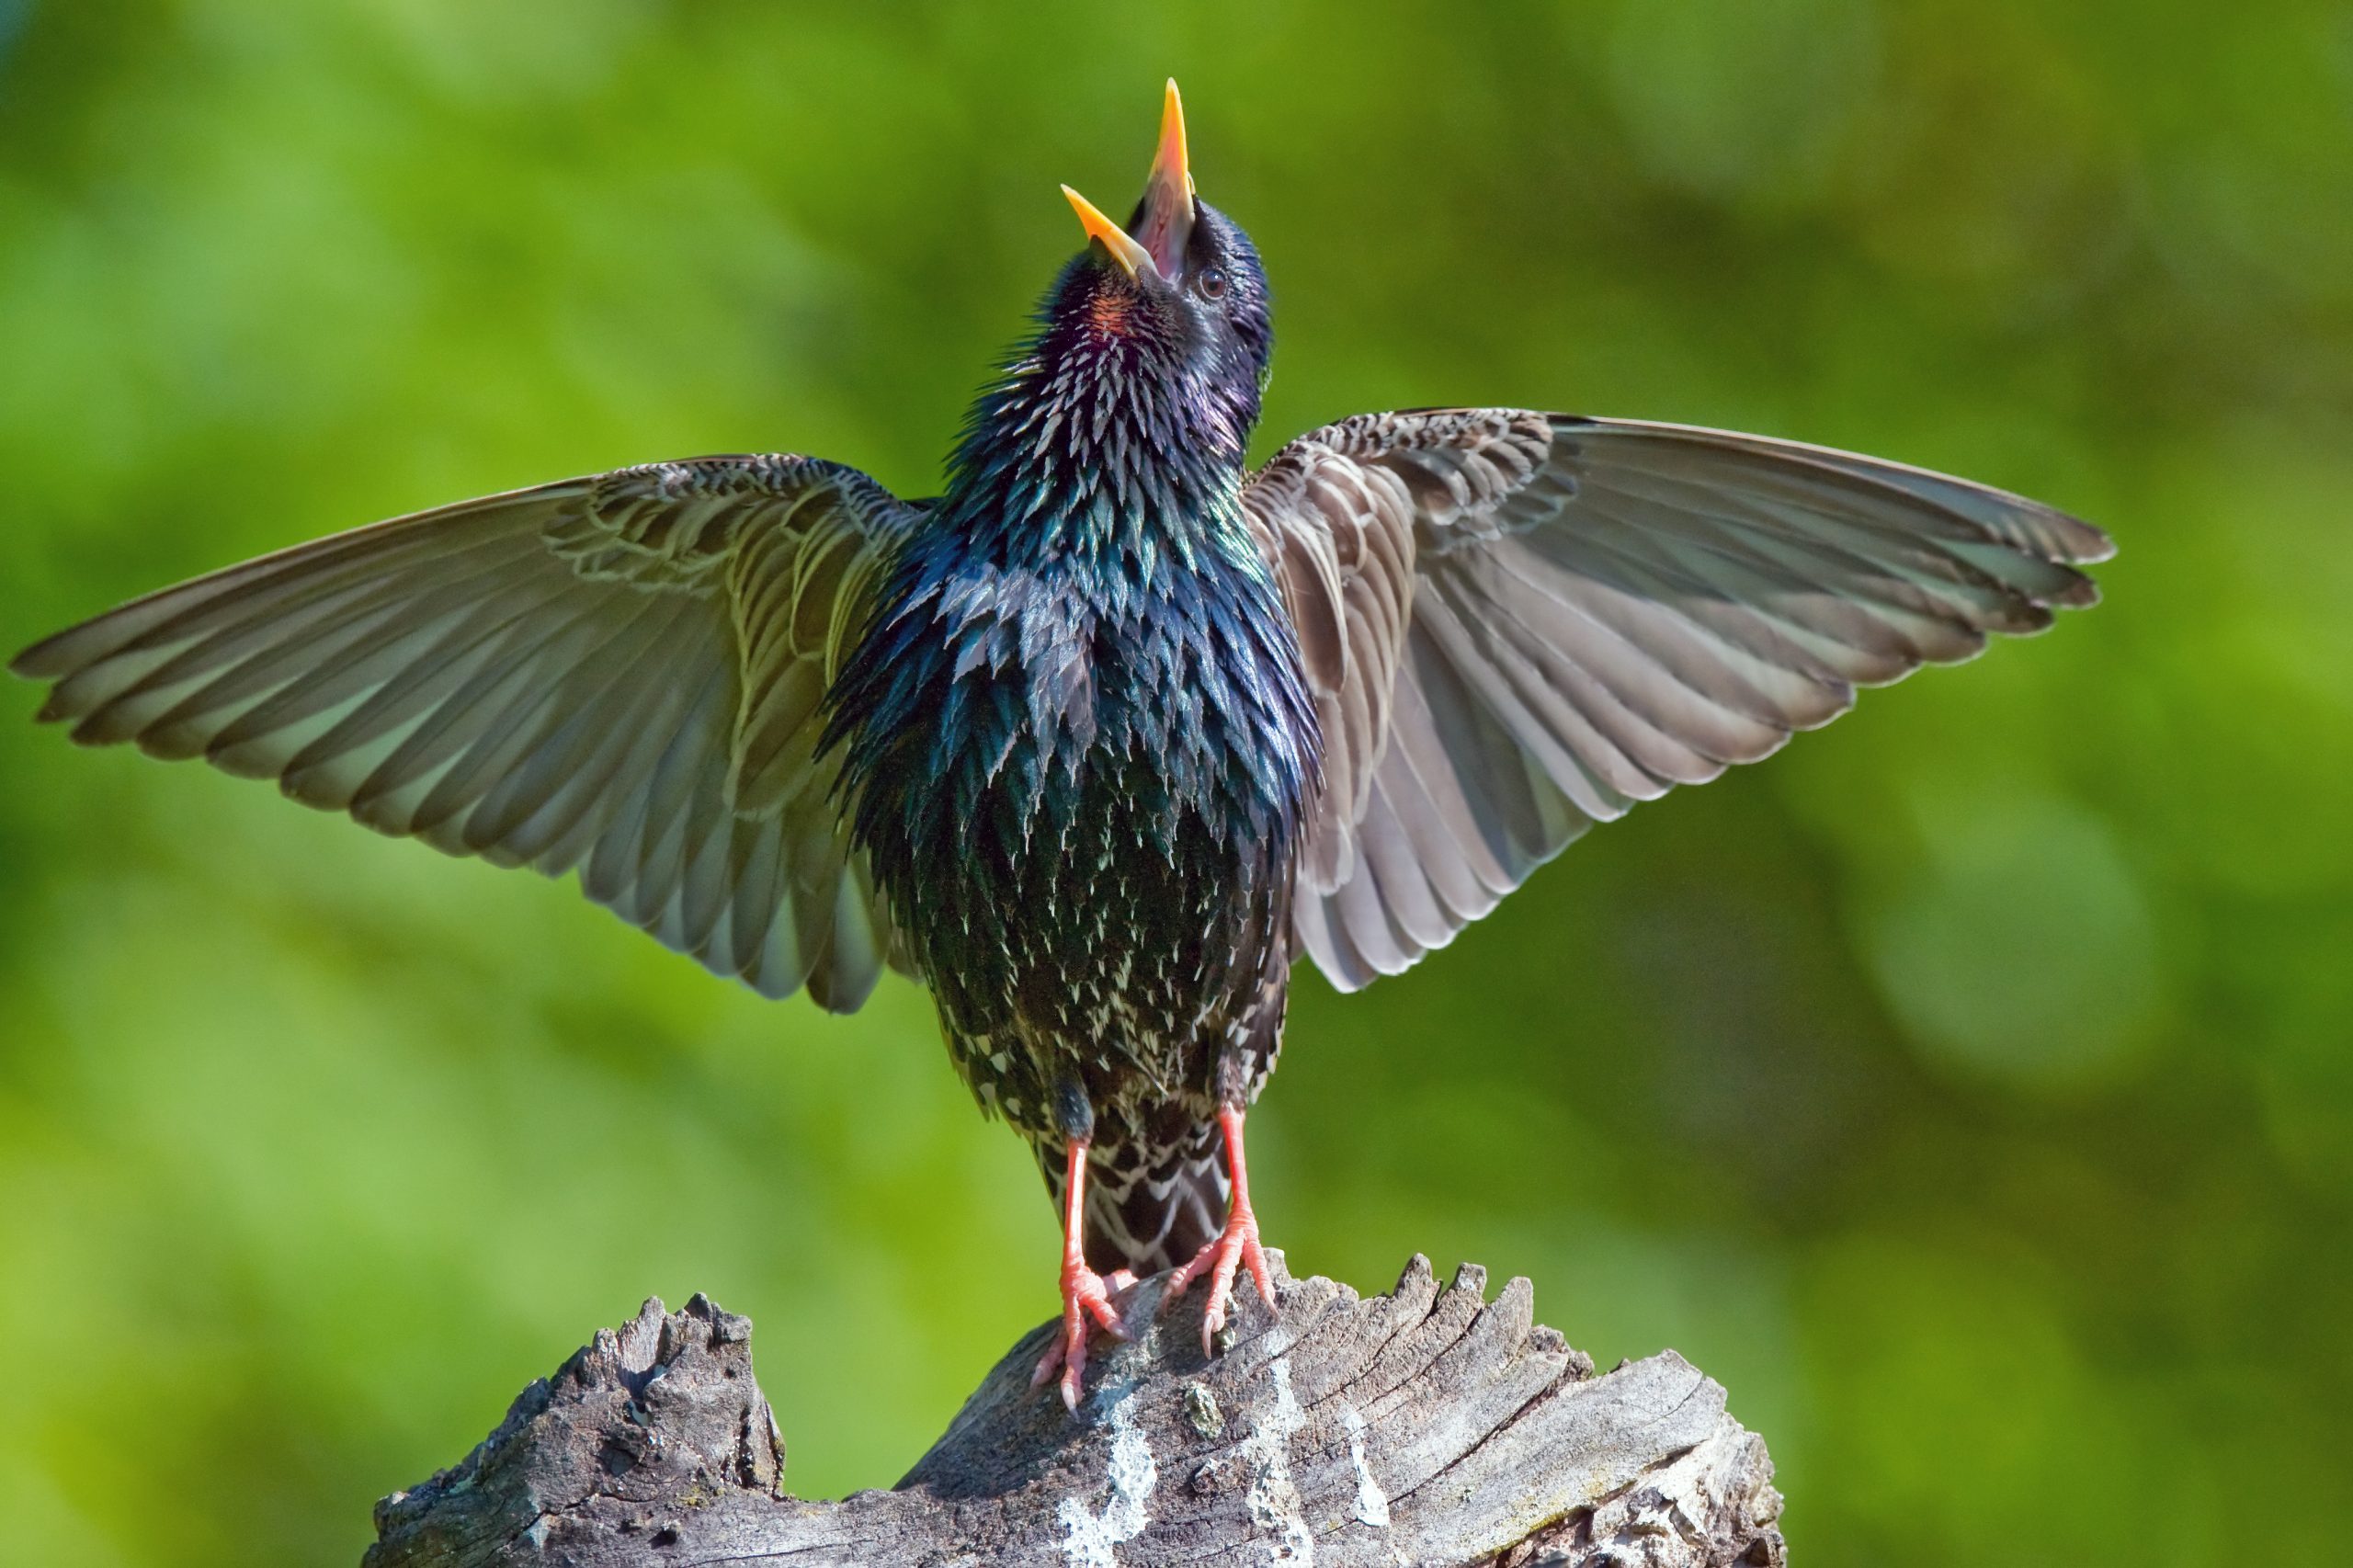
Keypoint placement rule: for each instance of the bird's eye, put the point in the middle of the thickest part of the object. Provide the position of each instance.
(1210, 281)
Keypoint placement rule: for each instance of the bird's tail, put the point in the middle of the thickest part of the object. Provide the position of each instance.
(1151, 1206)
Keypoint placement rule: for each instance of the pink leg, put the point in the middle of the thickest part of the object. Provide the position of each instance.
(1087, 1295)
(1236, 1247)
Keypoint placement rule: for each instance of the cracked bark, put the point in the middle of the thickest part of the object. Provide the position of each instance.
(1427, 1427)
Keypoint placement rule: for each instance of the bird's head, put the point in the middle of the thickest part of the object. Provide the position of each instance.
(1173, 306)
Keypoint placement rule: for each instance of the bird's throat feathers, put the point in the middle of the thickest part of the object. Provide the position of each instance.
(1109, 435)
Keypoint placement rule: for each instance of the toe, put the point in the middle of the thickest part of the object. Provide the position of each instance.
(1106, 1317)
(1048, 1364)
(1255, 1257)
(1087, 1307)
(1073, 1368)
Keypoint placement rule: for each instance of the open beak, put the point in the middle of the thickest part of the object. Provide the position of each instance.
(1131, 255)
(1162, 222)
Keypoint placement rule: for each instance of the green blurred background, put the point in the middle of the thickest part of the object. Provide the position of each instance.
(1970, 1089)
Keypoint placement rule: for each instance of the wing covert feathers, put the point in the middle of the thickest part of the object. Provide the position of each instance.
(1517, 624)
(616, 675)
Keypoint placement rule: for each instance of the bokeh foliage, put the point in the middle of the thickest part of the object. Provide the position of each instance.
(1970, 1087)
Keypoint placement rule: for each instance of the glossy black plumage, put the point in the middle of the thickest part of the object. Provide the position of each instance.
(1100, 741)
(1079, 745)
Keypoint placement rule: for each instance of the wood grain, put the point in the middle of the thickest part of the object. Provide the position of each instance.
(1427, 1427)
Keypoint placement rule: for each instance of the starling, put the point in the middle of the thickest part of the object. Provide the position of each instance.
(1101, 739)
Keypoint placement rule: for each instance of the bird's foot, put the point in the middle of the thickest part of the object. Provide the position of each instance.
(1089, 1302)
(1236, 1248)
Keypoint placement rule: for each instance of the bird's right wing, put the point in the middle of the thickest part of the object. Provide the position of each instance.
(620, 673)
(1517, 624)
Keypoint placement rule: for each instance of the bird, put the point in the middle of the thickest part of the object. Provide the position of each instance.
(1098, 742)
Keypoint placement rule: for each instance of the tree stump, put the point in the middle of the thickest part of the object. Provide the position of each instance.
(1426, 1428)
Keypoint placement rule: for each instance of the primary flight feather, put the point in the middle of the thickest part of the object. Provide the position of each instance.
(1100, 740)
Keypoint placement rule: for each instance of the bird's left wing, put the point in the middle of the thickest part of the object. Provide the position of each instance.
(620, 673)
(1517, 624)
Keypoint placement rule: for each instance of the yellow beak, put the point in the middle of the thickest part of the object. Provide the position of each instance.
(1163, 219)
(1125, 251)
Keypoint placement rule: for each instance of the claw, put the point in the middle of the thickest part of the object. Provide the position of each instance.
(1088, 1304)
(1236, 1248)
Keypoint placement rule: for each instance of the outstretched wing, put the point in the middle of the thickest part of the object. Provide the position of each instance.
(1519, 624)
(618, 673)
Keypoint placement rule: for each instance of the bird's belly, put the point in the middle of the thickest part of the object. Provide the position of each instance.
(1082, 805)
(1117, 945)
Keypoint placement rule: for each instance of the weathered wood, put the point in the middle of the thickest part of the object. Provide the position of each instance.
(1426, 1427)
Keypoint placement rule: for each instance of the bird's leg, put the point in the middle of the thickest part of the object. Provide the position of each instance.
(1087, 1295)
(1236, 1245)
